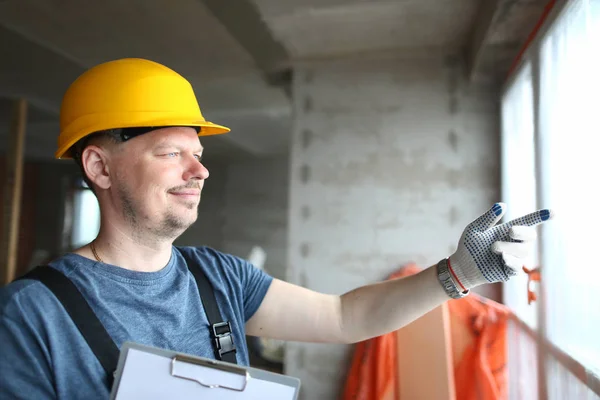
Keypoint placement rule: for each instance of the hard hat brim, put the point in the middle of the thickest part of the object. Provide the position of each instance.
(207, 128)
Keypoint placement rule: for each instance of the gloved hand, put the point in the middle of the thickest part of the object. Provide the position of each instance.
(488, 252)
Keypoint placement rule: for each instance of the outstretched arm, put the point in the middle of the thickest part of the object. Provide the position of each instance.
(486, 253)
(291, 312)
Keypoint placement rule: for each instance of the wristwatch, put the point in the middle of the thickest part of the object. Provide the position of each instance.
(446, 281)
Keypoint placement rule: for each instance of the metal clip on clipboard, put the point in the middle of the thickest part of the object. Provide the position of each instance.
(207, 363)
(151, 373)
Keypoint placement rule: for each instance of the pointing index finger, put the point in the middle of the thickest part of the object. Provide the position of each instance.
(533, 219)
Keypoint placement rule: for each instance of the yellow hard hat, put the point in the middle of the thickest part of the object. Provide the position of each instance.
(128, 93)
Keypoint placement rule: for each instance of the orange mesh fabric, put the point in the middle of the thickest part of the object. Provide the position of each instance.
(480, 372)
(479, 349)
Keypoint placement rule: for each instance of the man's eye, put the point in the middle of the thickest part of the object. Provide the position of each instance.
(198, 157)
(174, 154)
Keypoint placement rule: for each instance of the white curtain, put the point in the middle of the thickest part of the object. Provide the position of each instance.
(568, 146)
(570, 143)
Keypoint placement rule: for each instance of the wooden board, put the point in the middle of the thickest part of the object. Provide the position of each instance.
(425, 362)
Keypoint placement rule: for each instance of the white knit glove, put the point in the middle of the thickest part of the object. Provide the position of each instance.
(490, 253)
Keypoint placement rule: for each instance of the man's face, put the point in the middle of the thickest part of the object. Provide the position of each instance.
(157, 180)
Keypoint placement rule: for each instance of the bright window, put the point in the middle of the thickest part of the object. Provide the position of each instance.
(570, 139)
(518, 176)
(552, 162)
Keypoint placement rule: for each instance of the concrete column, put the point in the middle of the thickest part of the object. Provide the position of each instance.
(390, 160)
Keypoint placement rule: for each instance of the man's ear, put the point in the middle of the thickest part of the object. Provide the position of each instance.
(95, 164)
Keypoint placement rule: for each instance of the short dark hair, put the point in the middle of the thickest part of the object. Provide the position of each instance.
(111, 135)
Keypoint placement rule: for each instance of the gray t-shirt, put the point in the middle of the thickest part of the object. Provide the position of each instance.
(43, 355)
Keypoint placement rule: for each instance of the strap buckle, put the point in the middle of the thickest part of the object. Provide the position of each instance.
(223, 338)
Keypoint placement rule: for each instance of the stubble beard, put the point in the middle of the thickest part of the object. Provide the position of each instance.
(170, 226)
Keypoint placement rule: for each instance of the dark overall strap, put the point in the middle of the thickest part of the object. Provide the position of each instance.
(220, 330)
(102, 345)
(96, 336)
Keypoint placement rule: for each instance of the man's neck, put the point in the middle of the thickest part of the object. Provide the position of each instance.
(127, 250)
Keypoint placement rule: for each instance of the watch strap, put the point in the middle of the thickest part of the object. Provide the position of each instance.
(445, 279)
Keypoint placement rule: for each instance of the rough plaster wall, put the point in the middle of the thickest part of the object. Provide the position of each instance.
(390, 160)
(256, 207)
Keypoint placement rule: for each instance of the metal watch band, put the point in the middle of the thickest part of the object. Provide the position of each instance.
(446, 281)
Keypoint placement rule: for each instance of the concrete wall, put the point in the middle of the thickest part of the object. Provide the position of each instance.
(256, 206)
(390, 160)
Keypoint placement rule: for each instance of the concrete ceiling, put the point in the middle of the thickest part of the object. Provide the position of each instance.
(325, 28)
(237, 53)
(47, 44)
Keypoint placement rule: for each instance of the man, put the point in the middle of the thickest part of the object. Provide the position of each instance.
(133, 125)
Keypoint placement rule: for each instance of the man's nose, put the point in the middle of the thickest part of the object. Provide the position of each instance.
(196, 170)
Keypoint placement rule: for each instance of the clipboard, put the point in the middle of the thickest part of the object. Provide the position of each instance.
(149, 373)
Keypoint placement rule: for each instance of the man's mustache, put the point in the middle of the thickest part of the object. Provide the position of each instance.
(193, 185)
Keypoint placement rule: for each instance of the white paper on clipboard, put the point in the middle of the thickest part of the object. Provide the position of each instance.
(150, 373)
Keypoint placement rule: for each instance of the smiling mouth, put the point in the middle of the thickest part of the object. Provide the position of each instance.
(188, 193)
